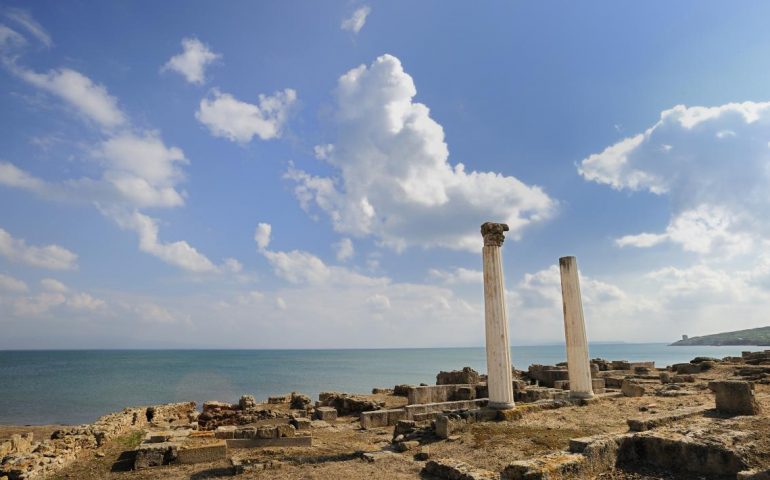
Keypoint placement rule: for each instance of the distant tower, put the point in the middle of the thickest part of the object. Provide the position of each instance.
(684, 337)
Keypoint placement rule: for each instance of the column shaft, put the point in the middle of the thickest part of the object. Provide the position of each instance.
(499, 376)
(578, 362)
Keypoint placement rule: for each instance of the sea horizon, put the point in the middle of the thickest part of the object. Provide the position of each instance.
(89, 383)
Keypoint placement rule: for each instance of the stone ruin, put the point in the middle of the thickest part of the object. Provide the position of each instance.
(23, 458)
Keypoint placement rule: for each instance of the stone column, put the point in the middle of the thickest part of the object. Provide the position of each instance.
(499, 376)
(578, 362)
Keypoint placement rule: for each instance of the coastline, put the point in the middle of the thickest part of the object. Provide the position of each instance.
(344, 435)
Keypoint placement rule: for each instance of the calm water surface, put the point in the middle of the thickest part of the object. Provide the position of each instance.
(42, 387)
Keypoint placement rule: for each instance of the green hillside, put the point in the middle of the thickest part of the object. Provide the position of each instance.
(753, 336)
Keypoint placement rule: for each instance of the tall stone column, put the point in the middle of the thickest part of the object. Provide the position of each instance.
(578, 362)
(499, 376)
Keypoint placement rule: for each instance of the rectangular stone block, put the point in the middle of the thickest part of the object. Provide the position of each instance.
(301, 423)
(265, 432)
(735, 397)
(377, 418)
(305, 441)
(155, 454)
(225, 432)
(326, 413)
(203, 454)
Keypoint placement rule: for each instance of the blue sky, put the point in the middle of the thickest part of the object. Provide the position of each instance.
(287, 174)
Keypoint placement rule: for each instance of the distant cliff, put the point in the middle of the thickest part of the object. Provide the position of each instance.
(753, 336)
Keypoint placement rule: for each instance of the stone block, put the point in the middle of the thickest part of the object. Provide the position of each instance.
(683, 379)
(225, 432)
(465, 376)
(155, 454)
(301, 423)
(401, 390)
(598, 385)
(465, 393)
(326, 413)
(735, 397)
(632, 389)
(245, 432)
(265, 432)
(665, 377)
(556, 465)
(686, 368)
(282, 431)
(203, 454)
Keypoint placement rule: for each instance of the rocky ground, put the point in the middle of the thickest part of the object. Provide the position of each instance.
(339, 445)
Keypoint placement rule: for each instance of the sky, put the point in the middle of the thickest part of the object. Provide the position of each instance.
(302, 174)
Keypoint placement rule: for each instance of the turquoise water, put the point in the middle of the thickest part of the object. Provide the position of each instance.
(46, 387)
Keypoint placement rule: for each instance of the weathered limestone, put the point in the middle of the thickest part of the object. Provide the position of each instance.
(202, 453)
(499, 375)
(440, 393)
(326, 413)
(578, 363)
(632, 389)
(465, 376)
(381, 418)
(735, 397)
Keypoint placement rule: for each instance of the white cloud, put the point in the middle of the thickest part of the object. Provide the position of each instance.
(193, 60)
(30, 24)
(155, 314)
(395, 181)
(227, 117)
(457, 276)
(10, 284)
(53, 257)
(53, 285)
(10, 38)
(262, 235)
(12, 176)
(89, 99)
(38, 304)
(715, 175)
(143, 169)
(298, 267)
(84, 301)
(179, 254)
(344, 249)
(357, 20)
(703, 230)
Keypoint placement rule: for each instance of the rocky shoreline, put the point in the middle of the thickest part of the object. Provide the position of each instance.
(707, 417)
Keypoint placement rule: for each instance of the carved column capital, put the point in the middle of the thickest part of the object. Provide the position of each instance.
(493, 233)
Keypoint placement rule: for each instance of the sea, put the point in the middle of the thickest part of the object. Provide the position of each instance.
(40, 387)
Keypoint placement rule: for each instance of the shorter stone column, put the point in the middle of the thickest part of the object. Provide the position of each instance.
(499, 374)
(578, 363)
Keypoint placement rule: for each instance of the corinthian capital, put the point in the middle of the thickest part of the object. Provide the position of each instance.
(493, 233)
